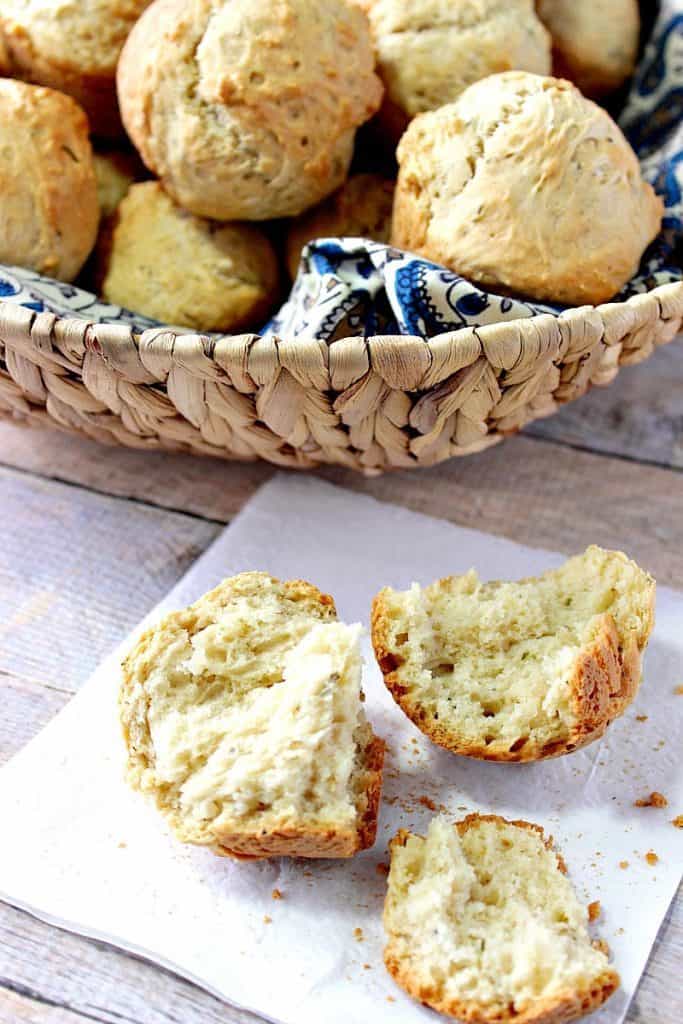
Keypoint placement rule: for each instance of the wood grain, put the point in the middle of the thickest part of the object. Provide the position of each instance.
(639, 416)
(19, 1009)
(534, 491)
(79, 571)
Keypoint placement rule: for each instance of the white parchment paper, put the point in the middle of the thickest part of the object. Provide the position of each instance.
(79, 849)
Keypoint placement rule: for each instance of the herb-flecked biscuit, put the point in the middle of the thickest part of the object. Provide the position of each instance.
(518, 671)
(525, 186)
(48, 201)
(243, 718)
(158, 259)
(429, 51)
(483, 925)
(247, 109)
(595, 42)
(71, 46)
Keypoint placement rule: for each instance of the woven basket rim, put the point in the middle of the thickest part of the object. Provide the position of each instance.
(661, 302)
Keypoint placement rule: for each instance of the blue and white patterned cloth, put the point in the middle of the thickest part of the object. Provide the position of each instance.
(354, 287)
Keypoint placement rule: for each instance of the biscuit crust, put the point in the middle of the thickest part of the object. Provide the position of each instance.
(46, 160)
(247, 109)
(560, 1009)
(487, 190)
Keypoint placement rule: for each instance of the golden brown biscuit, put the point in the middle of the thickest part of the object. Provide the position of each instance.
(429, 51)
(72, 46)
(518, 671)
(45, 162)
(247, 109)
(483, 925)
(157, 259)
(525, 186)
(243, 717)
(116, 170)
(361, 208)
(595, 42)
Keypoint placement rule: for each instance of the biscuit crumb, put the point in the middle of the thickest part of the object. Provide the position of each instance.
(594, 910)
(602, 946)
(426, 802)
(267, 920)
(641, 718)
(382, 869)
(367, 967)
(358, 934)
(651, 857)
(653, 800)
(122, 845)
(623, 864)
(276, 894)
(390, 999)
(677, 822)
(679, 690)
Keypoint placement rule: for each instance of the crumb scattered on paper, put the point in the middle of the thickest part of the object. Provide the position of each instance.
(358, 934)
(276, 894)
(122, 845)
(623, 864)
(602, 946)
(367, 967)
(679, 690)
(678, 821)
(594, 909)
(390, 999)
(651, 857)
(653, 800)
(641, 718)
(267, 920)
(426, 802)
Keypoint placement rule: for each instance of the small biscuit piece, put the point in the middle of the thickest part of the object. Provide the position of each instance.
(116, 170)
(595, 42)
(517, 671)
(525, 186)
(243, 718)
(361, 208)
(159, 260)
(247, 109)
(429, 51)
(74, 47)
(483, 925)
(48, 200)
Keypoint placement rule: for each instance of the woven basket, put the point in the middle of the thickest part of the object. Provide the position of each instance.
(369, 404)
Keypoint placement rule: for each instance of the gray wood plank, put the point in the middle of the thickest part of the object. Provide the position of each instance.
(534, 491)
(639, 416)
(78, 571)
(98, 982)
(27, 706)
(21, 1009)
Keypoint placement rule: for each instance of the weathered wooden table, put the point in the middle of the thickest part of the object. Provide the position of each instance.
(93, 537)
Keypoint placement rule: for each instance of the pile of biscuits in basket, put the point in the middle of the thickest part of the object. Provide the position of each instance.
(243, 719)
(243, 117)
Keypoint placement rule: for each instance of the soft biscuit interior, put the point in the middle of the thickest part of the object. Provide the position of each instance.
(483, 914)
(493, 662)
(253, 717)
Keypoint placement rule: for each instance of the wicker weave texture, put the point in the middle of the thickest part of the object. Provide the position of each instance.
(369, 404)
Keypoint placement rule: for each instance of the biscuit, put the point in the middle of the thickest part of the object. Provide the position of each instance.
(116, 170)
(428, 51)
(73, 47)
(518, 671)
(247, 109)
(361, 208)
(45, 161)
(595, 42)
(483, 925)
(243, 718)
(157, 259)
(525, 186)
